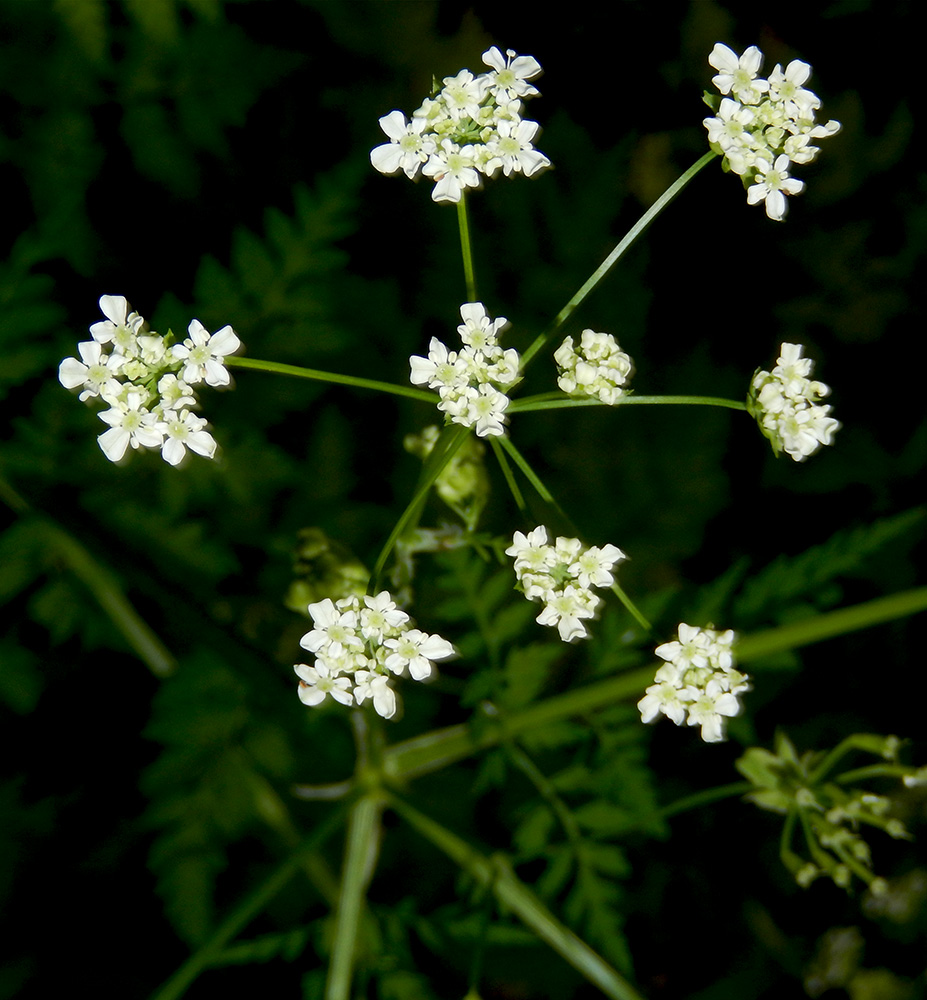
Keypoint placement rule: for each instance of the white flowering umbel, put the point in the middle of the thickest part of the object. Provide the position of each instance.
(469, 129)
(562, 576)
(598, 368)
(360, 646)
(764, 126)
(147, 382)
(785, 405)
(698, 684)
(471, 382)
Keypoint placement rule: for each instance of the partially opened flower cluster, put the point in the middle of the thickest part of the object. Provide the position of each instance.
(764, 126)
(470, 128)
(698, 684)
(360, 646)
(562, 576)
(785, 405)
(598, 368)
(147, 382)
(472, 381)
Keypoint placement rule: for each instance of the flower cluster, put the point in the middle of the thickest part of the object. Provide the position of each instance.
(599, 368)
(147, 382)
(765, 125)
(360, 644)
(470, 381)
(470, 128)
(834, 816)
(785, 405)
(698, 683)
(562, 575)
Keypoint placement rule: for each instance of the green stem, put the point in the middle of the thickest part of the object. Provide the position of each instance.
(496, 875)
(444, 450)
(499, 452)
(466, 250)
(872, 771)
(699, 799)
(439, 748)
(320, 376)
(528, 472)
(834, 623)
(642, 223)
(246, 911)
(102, 584)
(557, 401)
(631, 607)
(362, 843)
(547, 792)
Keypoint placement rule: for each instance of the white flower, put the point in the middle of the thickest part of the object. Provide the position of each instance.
(486, 411)
(463, 93)
(130, 423)
(407, 149)
(772, 184)
(512, 73)
(182, 430)
(453, 169)
(376, 687)
(738, 73)
(478, 330)
(92, 372)
(786, 87)
(334, 632)
(315, 683)
(120, 326)
(566, 609)
(515, 150)
(413, 651)
(379, 615)
(203, 354)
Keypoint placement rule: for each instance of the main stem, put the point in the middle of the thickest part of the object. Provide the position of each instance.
(362, 844)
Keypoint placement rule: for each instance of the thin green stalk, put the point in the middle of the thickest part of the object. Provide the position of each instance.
(704, 798)
(496, 875)
(466, 250)
(557, 401)
(897, 771)
(433, 468)
(246, 910)
(320, 376)
(507, 472)
(529, 473)
(642, 223)
(631, 607)
(362, 844)
(546, 790)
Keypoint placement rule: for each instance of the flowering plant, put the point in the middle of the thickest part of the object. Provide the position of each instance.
(504, 725)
